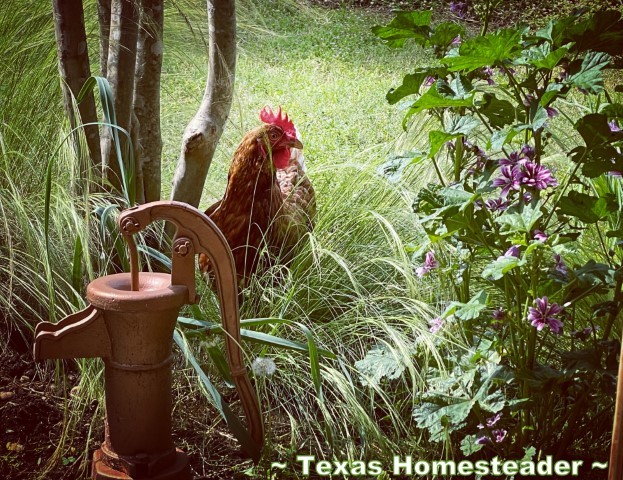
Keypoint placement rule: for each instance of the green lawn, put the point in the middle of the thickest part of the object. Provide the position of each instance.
(323, 66)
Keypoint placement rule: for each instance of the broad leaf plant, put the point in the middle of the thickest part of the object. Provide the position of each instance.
(525, 222)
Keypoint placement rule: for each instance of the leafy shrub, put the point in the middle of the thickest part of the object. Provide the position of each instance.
(526, 212)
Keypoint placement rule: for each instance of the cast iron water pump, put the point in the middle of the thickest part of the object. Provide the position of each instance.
(129, 323)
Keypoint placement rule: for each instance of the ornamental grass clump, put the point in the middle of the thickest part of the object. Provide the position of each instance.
(524, 221)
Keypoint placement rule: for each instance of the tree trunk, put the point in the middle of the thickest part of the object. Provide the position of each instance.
(135, 132)
(73, 62)
(147, 98)
(204, 131)
(120, 69)
(103, 15)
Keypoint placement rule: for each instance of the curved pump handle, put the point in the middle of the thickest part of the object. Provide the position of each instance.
(195, 234)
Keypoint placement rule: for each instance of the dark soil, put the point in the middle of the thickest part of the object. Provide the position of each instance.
(33, 423)
(32, 413)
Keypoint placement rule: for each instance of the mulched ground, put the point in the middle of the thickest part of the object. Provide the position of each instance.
(32, 423)
(32, 413)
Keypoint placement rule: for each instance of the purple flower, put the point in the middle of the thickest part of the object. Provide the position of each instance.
(539, 236)
(459, 9)
(551, 112)
(532, 175)
(512, 252)
(456, 41)
(487, 74)
(499, 314)
(560, 266)
(435, 324)
(507, 181)
(528, 151)
(585, 333)
(545, 314)
(614, 127)
(429, 264)
(480, 153)
(614, 173)
(497, 204)
(514, 159)
(499, 435)
(491, 421)
(428, 81)
(478, 165)
(528, 99)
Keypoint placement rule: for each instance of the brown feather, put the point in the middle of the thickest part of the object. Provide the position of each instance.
(262, 206)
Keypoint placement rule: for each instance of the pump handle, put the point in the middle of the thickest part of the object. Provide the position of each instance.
(196, 233)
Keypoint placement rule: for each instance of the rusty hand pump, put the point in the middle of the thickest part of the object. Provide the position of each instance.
(129, 323)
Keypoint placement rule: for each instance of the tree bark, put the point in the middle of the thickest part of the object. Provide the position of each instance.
(103, 15)
(135, 132)
(147, 98)
(120, 69)
(204, 130)
(73, 62)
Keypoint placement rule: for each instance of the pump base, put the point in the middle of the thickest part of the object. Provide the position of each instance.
(179, 469)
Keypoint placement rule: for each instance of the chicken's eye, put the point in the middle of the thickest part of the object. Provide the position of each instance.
(273, 136)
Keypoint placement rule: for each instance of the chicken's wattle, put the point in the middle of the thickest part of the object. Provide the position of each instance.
(269, 202)
(281, 158)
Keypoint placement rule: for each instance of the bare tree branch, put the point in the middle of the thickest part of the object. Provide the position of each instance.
(204, 130)
(73, 63)
(147, 97)
(121, 68)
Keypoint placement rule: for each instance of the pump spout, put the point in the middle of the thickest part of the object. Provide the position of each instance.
(80, 335)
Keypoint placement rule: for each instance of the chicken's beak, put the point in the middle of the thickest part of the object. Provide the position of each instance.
(295, 143)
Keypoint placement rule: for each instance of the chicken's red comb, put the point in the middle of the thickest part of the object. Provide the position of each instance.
(280, 118)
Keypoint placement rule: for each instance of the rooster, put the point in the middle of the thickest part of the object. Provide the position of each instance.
(269, 200)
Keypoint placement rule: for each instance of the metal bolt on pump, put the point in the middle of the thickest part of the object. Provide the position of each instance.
(129, 323)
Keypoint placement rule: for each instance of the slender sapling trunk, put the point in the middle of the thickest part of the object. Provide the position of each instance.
(204, 130)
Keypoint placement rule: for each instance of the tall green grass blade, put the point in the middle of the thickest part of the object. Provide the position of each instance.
(241, 433)
(313, 359)
(46, 232)
(76, 271)
(104, 214)
(108, 108)
(155, 254)
(259, 337)
(220, 362)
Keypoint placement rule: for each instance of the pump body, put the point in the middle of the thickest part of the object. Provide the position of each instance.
(129, 323)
